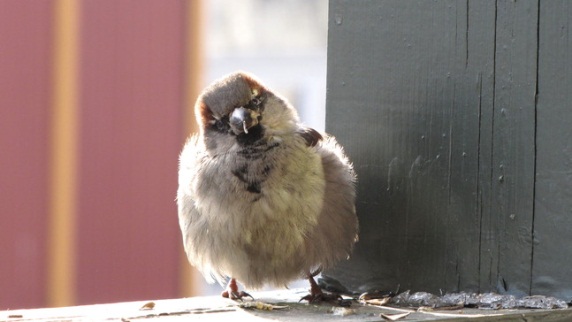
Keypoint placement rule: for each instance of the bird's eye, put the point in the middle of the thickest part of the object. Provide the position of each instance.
(222, 125)
(256, 103)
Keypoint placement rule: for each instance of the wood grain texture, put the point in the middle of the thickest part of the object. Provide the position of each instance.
(514, 127)
(459, 170)
(553, 197)
(417, 90)
(286, 307)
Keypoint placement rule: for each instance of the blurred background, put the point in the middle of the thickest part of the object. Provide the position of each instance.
(96, 100)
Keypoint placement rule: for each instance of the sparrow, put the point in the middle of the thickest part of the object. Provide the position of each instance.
(262, 199)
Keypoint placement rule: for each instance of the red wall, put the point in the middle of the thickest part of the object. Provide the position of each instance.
(133, 68)
(130, 130)
(25, 28)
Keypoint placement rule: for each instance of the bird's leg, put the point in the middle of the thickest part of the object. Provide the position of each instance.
(232, 292)
(317, 295)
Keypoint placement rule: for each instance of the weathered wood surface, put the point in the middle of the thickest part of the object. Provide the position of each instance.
(455, 114)
(553, 194)
(287, 308)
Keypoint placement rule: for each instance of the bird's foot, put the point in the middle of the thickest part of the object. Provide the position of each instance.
(322, 297)
(317, 295)
(233, 293)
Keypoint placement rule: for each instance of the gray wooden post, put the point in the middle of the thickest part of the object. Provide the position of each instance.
(457, 116)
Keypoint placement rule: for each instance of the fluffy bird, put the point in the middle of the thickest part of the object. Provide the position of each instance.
(262, 199)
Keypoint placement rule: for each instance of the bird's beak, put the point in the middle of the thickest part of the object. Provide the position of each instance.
(242, 119)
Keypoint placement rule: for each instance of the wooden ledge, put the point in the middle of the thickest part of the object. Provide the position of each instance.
(269, 306)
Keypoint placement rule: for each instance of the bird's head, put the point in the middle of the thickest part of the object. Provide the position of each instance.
(239, 105)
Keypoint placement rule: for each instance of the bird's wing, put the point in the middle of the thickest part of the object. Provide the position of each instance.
(311, 136)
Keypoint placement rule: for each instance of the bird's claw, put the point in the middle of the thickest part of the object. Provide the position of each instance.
(236, 295)
(322, 297)
(232, 292)
(317, 295)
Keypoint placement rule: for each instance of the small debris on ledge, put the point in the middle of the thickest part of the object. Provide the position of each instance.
(283, 305)
(342, 311)
(492, 301)
(261, 306)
